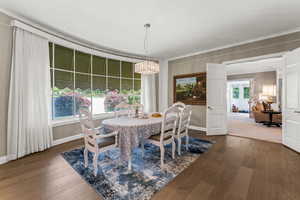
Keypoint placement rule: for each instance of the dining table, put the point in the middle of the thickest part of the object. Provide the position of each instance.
(132, 133)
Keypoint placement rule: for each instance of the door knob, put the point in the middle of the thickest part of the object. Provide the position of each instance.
(297, 111)
(210, 108)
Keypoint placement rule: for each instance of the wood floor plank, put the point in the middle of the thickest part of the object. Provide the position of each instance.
(234, 168)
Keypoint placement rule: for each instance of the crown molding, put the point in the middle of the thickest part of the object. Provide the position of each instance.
(236, 44)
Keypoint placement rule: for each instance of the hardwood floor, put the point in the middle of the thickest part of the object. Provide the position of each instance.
(234, 168)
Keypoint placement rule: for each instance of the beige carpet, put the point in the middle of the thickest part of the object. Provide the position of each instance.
(243, 126)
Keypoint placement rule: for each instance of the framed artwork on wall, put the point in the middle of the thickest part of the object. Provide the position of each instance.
(190, 88)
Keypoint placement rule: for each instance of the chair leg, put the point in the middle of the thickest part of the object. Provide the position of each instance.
(95, 163)
(179, 145)
(187, 142)
(86, 159)
(162, 156)
(173, 148)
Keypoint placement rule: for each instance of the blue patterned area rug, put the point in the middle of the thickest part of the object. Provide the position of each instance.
(115, 182)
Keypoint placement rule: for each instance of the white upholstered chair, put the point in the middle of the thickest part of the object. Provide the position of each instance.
(183, 127)
(122, 110)
(166, 135)
(96, 140)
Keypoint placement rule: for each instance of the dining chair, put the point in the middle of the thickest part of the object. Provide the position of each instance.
(166, 135)
(183, 127)
(96, 140)
(179, 105)
(122, 110)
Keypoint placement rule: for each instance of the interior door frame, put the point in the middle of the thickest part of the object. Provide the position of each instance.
(257, 58)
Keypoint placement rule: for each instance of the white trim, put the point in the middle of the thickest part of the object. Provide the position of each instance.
(256, 58)
(198, 128)
(237, 44)
(67, 139)
(3, 160)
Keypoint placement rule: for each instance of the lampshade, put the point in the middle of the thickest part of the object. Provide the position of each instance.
(269, 90)
(146, 67)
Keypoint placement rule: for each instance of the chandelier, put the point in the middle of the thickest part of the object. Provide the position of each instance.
(147, 66)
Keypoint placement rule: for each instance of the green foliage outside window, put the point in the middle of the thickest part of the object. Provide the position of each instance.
(246, 92)
(235, 93)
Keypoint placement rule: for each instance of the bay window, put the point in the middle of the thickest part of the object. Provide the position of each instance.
(79, 80)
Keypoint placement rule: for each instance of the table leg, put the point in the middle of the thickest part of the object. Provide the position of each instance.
(129, 163)
(270, 120)
(142, 146)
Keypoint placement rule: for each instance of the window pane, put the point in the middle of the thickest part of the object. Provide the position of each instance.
(99, 87)
(246, 92)
(99, 65)
(63, 101)
(236, 93)
(64, 80)
(137, 75)
(127, 70)
(135, 97)
(82, 62)
(113, 84)
(137, 85)
(50, 54)
(127, 85)
(82, 91)
(113, 67)
(63, 58)
(99, 83)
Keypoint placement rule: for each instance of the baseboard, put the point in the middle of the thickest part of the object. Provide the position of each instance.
(198, 128)
(3, 159)
(67, 139)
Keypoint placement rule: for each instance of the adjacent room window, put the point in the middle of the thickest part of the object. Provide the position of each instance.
(246, 92)
(235, 93)
(79, 80)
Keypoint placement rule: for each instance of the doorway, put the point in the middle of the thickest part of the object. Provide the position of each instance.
(254, 99)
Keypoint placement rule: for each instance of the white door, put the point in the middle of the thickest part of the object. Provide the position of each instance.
(216, 120)
(291, 101)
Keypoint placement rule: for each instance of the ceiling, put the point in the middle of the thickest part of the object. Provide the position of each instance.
(179, 27)
(264, 65)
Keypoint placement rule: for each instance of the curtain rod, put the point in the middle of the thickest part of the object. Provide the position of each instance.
(89, 46)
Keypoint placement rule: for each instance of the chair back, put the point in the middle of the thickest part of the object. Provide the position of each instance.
(184, 120)
(169, 123)
(87, 127)
(179, 105)
(122, 110)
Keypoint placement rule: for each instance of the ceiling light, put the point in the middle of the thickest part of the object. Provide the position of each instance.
(147, 66)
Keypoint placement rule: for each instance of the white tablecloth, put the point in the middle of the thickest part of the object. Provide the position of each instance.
(131, 131)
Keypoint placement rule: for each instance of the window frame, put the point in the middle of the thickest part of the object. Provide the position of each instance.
(74, 118)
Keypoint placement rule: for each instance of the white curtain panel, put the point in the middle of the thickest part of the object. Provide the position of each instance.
(29, 125)
(148, 97)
